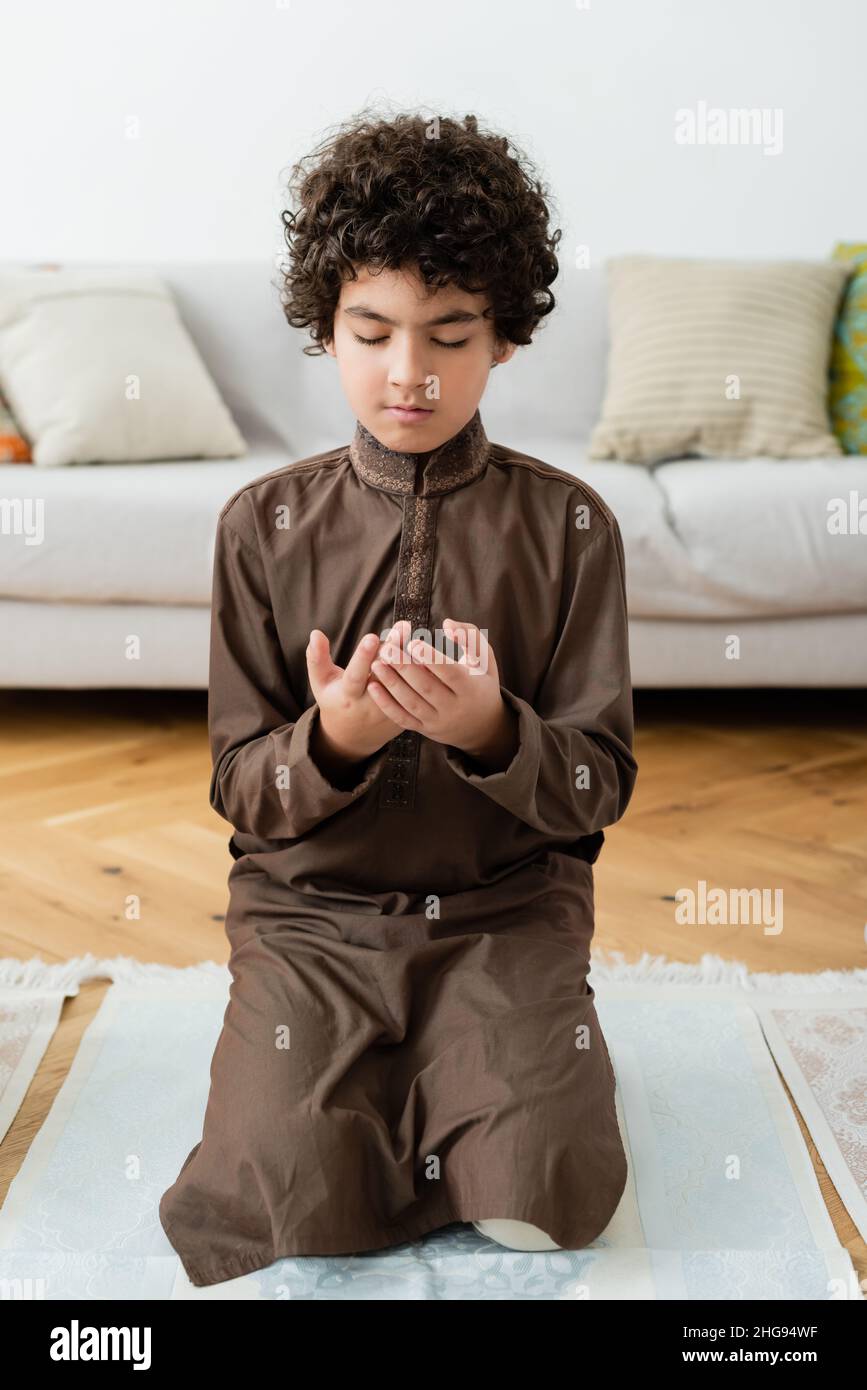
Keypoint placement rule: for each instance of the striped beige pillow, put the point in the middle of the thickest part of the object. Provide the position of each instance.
(718, 358)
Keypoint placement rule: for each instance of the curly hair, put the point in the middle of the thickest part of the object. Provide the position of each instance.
(432, 193)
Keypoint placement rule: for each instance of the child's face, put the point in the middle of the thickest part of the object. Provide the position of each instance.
(406, 359)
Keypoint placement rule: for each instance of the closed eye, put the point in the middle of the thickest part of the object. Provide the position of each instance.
(374, 342)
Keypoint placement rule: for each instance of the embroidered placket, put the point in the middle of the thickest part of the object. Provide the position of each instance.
(411, 601)
(422, 479)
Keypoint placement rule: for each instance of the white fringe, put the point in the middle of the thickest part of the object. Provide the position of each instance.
(44, 975)
(67, 975)
(133, 971)
(714, 970)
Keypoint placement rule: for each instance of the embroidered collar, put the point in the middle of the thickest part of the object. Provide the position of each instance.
(460, 460)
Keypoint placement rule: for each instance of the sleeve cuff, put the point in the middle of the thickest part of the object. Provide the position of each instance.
(310, 796)
(519, 778)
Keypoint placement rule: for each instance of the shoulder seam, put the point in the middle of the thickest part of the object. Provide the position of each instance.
(227, 525)
(327, 460)
(513, 459)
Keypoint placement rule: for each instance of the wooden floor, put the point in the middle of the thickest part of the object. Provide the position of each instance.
(104, 813)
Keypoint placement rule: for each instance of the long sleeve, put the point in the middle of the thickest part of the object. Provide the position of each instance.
(574, 771)
(265, 781)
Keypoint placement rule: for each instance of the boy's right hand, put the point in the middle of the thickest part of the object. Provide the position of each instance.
(350, 718)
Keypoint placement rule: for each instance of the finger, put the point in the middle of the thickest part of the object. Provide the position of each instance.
(391, 707)
(319, 656)
(432, 664)
(398, 636)
(414, 703)
(418, 673)
(358, 668)
(472, 640)
(396, 640)
(401, 632)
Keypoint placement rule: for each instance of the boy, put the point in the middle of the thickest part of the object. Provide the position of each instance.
(421, 721)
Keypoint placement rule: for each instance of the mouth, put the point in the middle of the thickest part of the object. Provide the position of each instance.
(408, 413)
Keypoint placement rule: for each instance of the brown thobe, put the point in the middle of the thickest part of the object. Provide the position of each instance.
(410, 1038)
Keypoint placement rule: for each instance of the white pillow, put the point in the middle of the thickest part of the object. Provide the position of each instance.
(97, 367)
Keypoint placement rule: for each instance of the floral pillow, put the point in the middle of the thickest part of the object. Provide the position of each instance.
(14, 448)
(847, 377)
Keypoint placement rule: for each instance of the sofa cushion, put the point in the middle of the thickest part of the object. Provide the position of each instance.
(729, 538)
(753, 537)
(703, 538)
(138, 533)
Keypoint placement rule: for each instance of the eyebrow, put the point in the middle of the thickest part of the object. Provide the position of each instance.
(363, 311)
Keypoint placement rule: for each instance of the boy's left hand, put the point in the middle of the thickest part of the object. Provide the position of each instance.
(454, 702)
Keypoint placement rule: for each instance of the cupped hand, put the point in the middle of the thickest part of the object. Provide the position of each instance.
(356, 726)
(457, 702)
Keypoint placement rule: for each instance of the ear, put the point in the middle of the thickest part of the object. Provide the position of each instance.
(503, 350)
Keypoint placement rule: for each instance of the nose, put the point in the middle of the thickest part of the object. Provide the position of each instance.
(407, 369)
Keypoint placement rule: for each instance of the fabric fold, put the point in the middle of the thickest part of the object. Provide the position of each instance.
(574, 771)
(265, 780)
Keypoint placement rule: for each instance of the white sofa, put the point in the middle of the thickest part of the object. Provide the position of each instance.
(714, 548)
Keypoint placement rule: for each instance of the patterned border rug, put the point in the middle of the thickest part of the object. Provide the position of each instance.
(721, 1201)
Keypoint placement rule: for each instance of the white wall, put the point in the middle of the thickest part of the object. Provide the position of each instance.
(227, 93)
